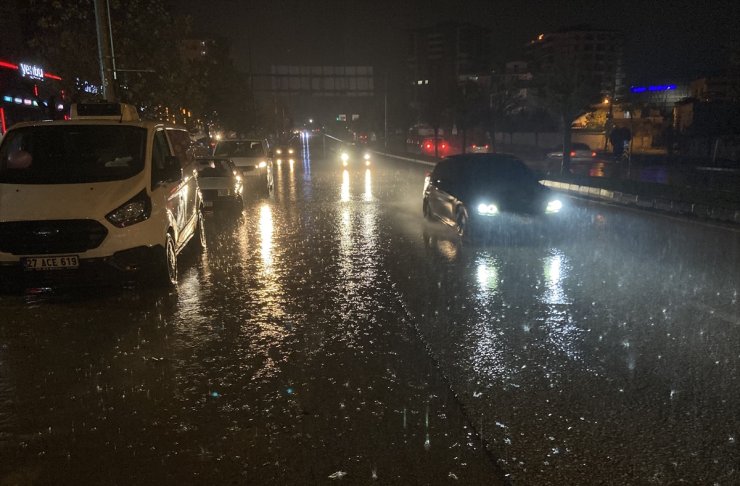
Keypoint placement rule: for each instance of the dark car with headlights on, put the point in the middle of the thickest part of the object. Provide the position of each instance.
(476, 192)
(220, 183)
(354, 156)
(286, 150)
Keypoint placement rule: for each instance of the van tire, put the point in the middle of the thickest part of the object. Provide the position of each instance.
(200, 233)
(165, 269)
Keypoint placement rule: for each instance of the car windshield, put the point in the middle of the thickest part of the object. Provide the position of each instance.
(69, 154)
(483, 173)
(240, 148)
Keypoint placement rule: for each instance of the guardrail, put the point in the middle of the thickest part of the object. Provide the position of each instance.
(682, 208)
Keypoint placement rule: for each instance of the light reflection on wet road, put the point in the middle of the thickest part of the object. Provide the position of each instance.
(321, 331)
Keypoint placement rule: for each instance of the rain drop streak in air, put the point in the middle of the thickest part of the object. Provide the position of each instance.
(329, 333)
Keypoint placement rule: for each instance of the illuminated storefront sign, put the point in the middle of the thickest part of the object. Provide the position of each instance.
(660, 87)
(31, 71)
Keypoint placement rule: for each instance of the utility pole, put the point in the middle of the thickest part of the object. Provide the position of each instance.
(385, 113)
(102, 21)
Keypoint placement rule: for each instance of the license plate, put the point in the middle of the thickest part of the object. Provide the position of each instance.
(51, 262)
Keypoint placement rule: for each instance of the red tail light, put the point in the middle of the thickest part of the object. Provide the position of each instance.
(572, 153)
(444, 145)
(486, 147)
(475, 146)
(593, 154)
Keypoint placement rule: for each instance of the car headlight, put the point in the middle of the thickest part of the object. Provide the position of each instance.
(262, 164)
(278, 151)
(290, 151)
(344, 156)
(135, 210)
(554, 206)
(366, 156)
(487, 209)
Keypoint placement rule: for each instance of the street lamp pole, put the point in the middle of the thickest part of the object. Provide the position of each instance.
(105, 57)
(385, 113)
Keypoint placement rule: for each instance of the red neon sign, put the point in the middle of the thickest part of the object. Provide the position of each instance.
(10, 65)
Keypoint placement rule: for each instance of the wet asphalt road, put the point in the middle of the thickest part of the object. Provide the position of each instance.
(329, 335)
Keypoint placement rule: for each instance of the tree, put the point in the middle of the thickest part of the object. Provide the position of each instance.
(503, 101)
(565, 90)
(469, 108)
(151, 72)
(437, 105)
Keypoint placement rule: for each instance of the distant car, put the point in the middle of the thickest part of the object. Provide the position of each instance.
(427, 146)
(474, 191)
(479, 147)
(251, 157)
(365, 138)
(577, 151)
(354, 156)
(220, 183)
(286, 150)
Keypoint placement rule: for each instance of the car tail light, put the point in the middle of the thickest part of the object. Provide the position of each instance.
(444, 145)
(572, 153)
(593, 154)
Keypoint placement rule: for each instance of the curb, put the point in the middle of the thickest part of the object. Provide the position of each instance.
(408, 159)
(647, 202)
(682, 208)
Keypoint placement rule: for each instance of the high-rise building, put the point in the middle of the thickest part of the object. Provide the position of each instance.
(596, 52)
(446, 53)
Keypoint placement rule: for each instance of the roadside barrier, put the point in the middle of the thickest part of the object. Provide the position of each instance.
(681, 208)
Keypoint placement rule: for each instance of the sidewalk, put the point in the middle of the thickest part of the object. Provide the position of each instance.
(706, 193)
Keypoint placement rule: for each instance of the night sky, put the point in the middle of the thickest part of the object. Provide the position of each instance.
(663, 39)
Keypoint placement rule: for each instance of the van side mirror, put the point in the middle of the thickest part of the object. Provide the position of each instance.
(172, 169)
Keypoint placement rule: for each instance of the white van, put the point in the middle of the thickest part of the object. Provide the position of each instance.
(97, 197)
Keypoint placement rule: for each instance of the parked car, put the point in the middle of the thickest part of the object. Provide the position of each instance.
(577, 151)
(475, 191)
(100, 196)
(220, 184)
(252, 159)
(354, 156)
